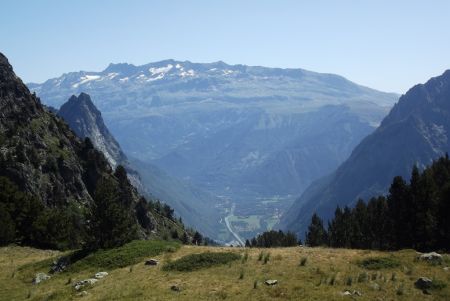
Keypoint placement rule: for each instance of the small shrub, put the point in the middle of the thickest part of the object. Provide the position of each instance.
(394, 277)
(303, 261)
(374, 276)
(377, 263)
(332, 280)
(363, 277)
(241, 275)
(438, 284)
(266, 258)
(400, 290)
(198, 261)
(278, 257)
(171, 249)
(260, 256)
(245, 257)
(408, 270)
(349, 281)
(69, 281)
(255, 284)
(222, 295)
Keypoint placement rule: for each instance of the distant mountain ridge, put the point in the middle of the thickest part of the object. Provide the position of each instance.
(242, 133)
(415, 132)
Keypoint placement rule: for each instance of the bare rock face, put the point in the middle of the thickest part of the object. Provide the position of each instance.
(86, 121)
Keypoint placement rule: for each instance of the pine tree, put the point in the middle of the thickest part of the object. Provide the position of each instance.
(197, 239)
(185, 239)
(7, 226)
(399, 214)
(316, 235)
(111, 222)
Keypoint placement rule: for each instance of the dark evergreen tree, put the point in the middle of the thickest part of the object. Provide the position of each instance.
(400, 214)
(185, 238)
(7, 226)
(316, 235)
(197, 239)
(111, 223)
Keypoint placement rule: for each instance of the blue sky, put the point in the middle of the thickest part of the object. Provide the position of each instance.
(387, 45)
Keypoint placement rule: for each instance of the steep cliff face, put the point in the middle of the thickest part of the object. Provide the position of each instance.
(86, 121)
(416, 131)
(45, 159)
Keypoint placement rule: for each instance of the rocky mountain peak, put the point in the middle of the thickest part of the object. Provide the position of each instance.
(86, 121)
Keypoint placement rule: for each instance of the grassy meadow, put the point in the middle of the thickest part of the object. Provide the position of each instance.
(302, 274)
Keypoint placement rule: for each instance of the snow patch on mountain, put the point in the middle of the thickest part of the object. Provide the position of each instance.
(85, 79)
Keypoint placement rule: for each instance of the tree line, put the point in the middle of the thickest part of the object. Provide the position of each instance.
(414, 214)
(272, 239)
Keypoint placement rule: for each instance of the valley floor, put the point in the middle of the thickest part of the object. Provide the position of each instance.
(325, 275)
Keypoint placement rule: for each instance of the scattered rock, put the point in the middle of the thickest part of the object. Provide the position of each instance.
(175, 288)
(271, 282)
(82, 294)
(357, 293)
(431, 257)
(423, 283)
(101, 275)
(40, 277)
(83, 283)
(348, 293)
(151, 262)
(446, 269)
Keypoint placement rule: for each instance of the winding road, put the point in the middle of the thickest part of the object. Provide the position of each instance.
(227, 222)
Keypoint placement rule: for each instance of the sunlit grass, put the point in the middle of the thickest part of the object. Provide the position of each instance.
(324, 276)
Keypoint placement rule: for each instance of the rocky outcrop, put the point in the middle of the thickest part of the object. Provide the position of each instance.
(86, 121)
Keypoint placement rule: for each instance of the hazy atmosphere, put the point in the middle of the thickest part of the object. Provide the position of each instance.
(387, 45)
(224, 150)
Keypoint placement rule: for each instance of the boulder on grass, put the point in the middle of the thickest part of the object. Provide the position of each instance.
(271, 282)
(431, 257)
(40, 277)
(423, 283)
(83, 283)
(151, 262)
(101, 275)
